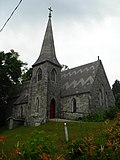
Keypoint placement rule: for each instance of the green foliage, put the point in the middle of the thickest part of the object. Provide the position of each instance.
(111, 113)
(102, 115)
(47, 142)
(117, 100)
(40, 145)
(116, 87)
(88, 148)
(10, 66)
(10, 72)
(36, 147)
(27, 74)
(96, 117)
(51, 132)
(116, 92)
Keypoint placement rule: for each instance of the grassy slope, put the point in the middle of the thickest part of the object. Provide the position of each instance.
(55, 132)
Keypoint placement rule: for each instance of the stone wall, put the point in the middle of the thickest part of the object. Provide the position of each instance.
(101, 84)
(20, 103)
(19, 111)
(43, 91)
(82, 106)
(36, 113)
(54, 89)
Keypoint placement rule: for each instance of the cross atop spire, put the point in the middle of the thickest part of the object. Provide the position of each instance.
(48, 49)
(50, 10)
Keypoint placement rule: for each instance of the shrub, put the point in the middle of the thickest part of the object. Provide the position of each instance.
(2, 153)
(117, 100)
(36, 148)
(88, 148)
(111, 113)
(96, 117)
(102, 115)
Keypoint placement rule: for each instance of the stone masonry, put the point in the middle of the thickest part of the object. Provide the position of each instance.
(52, 93)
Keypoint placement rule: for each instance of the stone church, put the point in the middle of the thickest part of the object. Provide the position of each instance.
(69, 94)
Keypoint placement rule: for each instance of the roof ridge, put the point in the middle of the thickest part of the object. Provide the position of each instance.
(80, 66)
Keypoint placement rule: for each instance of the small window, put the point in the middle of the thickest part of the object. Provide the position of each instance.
(39, 74)
(21, 109)
(102, 89)
(37, 104)
(100, 97)
(89, 100)
(73, 105)
(53, 75)
(106, 100)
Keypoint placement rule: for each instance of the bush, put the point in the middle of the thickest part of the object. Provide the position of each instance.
(89, 148)
(36, 148)
(117, 100)
(96, 117)
(102, 115)
(111, 113)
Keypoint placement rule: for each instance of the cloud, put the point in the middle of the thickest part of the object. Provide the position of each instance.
(33, 10)
(83, 29)
(86, 9)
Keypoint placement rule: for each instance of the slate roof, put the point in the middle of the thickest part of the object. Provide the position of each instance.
(22, 99)
(22, 94)
(78, 80)
(48, 49)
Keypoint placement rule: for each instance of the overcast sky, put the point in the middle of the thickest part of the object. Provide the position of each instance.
(83, 30)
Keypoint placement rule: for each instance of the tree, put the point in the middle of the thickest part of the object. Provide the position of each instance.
(27, 74)
(117, 100)
(116, 92)
(116, 87)
(10, 73)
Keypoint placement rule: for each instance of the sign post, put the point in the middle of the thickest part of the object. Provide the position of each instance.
(66, 132)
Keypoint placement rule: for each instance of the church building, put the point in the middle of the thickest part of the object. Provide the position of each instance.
(69, 94)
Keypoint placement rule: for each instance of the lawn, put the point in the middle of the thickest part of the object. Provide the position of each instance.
(54, 131)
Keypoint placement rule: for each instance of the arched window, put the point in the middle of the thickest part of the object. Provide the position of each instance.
(106, 100)
(100, 97)
(103, 95)
(53, 75)
(89, 100)
(39, 74)
(37, 104)
(21, 110)
(73, 105)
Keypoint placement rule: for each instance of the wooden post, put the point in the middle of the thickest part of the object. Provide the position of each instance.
(66, 132)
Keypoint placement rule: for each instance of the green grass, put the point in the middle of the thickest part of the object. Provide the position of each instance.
(54, 131)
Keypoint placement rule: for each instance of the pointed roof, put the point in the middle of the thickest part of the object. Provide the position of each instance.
(79, 80)
(48, 49)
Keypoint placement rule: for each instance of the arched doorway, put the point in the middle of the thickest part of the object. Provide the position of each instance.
(52, 108)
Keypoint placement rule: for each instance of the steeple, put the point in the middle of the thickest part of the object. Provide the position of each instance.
(48, 49)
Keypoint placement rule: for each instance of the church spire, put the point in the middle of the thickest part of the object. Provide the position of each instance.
(48, 49)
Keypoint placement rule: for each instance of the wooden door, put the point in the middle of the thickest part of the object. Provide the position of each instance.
(52, 109)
